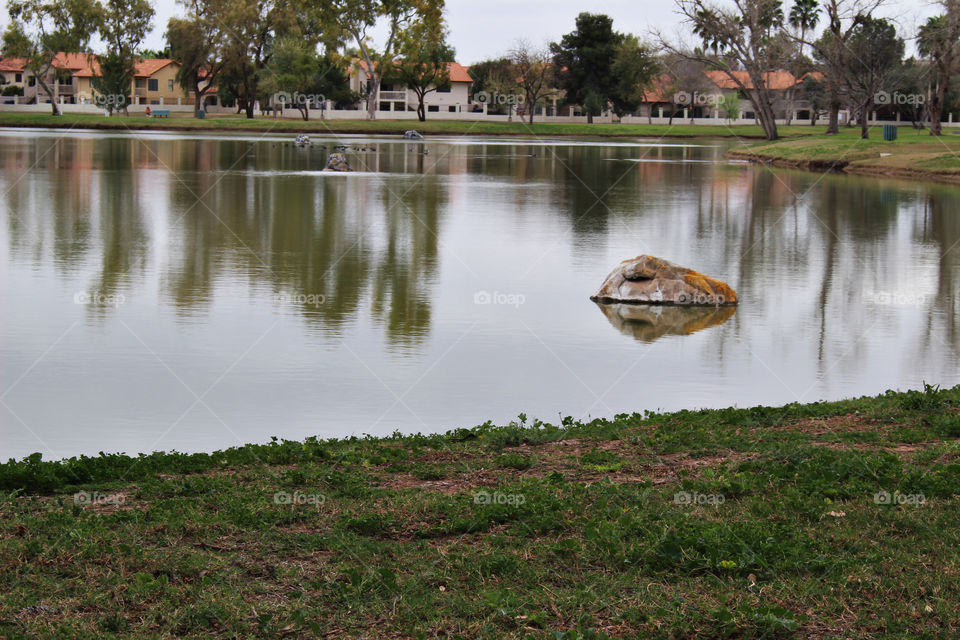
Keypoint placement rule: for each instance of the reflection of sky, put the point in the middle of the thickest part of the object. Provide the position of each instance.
(843, 293)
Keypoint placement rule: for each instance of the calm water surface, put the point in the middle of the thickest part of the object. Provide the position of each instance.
(167, 292)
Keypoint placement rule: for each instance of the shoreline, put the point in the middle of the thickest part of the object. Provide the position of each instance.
(754, 522)
(913, 156)
(385, 127)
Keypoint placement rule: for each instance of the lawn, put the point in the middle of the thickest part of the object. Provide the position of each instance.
(826, 520)
(438, 127)
(914, 154)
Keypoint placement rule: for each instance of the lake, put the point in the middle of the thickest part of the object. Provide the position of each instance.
(195, 292)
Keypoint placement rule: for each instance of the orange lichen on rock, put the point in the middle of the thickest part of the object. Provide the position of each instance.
(711, 286)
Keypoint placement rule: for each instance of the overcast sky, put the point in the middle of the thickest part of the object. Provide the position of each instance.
(482, 29)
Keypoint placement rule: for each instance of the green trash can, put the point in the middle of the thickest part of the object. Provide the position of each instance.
(203, 114)
(889, 132)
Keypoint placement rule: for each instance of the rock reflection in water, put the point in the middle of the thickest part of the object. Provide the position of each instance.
(647, 322)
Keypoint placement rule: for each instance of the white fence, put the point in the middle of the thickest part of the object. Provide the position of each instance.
(185, 110)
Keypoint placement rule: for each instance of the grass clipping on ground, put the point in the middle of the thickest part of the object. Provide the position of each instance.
(832, 520)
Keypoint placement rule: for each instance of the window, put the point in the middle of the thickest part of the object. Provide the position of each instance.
(169, 85)
(19, 78)
(32, 82)
(153, 84)
(433, 108)
(444, 89)
(138, 83)
(452, 109)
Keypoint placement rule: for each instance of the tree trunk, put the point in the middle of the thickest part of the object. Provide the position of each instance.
(197, 100)
(421, 112)
(833, 125)
(936, 108)
(373, 100)
(46, 89)
(764, 112)
(531, 114)
(589, 118)
(305, 112)
(864, 120)
(249, 109)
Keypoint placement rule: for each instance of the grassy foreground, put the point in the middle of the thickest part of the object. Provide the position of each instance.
(827, 520)
(226, 123)
(915, 153)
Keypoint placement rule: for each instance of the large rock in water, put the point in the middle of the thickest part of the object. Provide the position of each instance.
(337, 162)
(650, 280)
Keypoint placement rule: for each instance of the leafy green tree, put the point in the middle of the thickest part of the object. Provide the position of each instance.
(40, 28)
(634, 68)
(124, 25)
(729, 106)
(303, 77)
(492, 77)
(356, 18)
(254, 28)
(939, 42)
(196, 41)
(876, 51)
(584, 61)
(424, 53)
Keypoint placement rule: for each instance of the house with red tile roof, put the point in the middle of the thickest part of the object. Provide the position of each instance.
(154, 80)
(704, 100)
(452, 97)
(11, 72)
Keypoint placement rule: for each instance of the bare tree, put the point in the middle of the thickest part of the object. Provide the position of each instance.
(741, 35)
(833, 51)
(534, 73)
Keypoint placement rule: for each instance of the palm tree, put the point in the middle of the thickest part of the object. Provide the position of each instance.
(937, 41)
(804, 15)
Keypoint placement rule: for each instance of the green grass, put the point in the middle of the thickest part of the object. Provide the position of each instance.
(799, 521)
(439, 127)
(914, 153)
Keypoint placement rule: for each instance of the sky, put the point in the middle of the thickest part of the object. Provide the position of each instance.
(481, 29)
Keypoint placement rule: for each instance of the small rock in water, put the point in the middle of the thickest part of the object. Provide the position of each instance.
(646, 279)
(302, 140)
(337, 162)
(413, 135)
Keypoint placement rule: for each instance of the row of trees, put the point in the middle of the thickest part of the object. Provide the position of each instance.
(252, 49)
(858, 54)
(593, 66)
(857, 58)
(247, 49)
(40, 28)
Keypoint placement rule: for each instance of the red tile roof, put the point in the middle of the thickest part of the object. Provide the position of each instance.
(12, 64)
(458, 72)
(73, 61)
(776, 80)
(150, 66)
